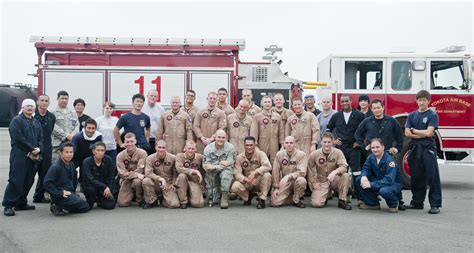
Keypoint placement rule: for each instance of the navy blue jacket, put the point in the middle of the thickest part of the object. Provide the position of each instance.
(60, 177)
(383, 174)
(83, 147)
(98, 177)
(47, 124)
(337, 125)
(389, 131)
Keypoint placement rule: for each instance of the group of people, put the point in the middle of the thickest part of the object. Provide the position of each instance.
(180, 157)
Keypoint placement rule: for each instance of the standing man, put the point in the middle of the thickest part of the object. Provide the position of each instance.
(154, 111)
(135, 122)
(252, 174)
(279, 101)
(79, 106)
(59, 183)
(131, 170)
(26, 139)
(190, 179)
(268, 129)
(325, 116)
(343, 125)
(175, 127)
(160, 176)
(190, 108)
(289, 171)
(238, 126)
(219, 159)
(327, 170)
(67, 124)
(207, 121)
(99, 176)
(253, 108)
(310, 105)
(83, 143)
(304, 127)
(379, 176)
(47, 121)
(222, 104)
(420, 127)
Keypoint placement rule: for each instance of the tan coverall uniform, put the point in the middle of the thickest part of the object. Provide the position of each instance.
(175, 129)
(253, 110)
(305, 130)
(157, 168)
(228, 110)
(128, 168)
(269, 131)
(192, 113)
(320, 166)
(189, 183)
(237, 130)
(284, 114)
(206, 123)
(295, 167)
(244, 166)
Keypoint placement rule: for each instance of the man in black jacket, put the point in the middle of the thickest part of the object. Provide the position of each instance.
(99, 178)
(59, 183)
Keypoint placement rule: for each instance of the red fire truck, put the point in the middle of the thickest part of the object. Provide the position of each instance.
(102, 69)
(395, 78)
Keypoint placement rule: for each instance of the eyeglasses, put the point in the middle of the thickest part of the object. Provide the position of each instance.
(345, 101)
(190, 95)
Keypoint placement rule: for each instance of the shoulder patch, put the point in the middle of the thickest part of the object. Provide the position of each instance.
(391, 164)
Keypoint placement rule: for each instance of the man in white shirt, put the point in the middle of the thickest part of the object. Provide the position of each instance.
(154, 111)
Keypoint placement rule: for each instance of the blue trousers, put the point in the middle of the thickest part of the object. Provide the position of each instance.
(424, 171)
(73, 204)
(389, 193)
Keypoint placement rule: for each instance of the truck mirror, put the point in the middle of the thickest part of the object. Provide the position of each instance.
(467, 69)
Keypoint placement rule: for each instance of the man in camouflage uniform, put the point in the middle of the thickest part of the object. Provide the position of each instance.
(238, 126)
(190, 180)
(252, 173)
(66, 126)
(219, 159)
(175, 127)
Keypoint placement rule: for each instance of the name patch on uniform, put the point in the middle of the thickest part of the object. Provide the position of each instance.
(265, 121)
(284, 162)
(321, 160)
(274, 121)
(391, 164)
(245, 164)
(186, 164)
(169, 117)
(236, 124)
(294, 121)
(293, 162)
(254, 162)
(205, 115)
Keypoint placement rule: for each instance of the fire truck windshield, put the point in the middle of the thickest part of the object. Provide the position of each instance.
(447, 75)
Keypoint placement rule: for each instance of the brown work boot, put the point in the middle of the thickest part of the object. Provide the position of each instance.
(225, 200)
(367, 207)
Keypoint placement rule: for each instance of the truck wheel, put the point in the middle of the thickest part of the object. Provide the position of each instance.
(403, 164)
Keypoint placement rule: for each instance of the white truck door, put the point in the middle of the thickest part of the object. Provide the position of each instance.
(204, 82)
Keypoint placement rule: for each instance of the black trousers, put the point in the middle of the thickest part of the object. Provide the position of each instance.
(94, 195)
(20, 181)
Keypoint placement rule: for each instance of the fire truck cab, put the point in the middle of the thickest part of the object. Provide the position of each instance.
(395, 78)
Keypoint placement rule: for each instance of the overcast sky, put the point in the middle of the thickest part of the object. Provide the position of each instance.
(307, 31)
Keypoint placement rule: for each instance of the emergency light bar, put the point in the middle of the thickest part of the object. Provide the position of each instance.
(138, 41)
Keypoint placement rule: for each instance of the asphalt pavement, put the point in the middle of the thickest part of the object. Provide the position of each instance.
(242, 228)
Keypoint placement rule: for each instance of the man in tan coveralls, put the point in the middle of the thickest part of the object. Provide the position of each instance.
(160, 175)
(253, 108)
(238, 126)
(279, 101)
(222, 103)
(189, 107)
(131, 168)
(304, 127)
(190, 179)
(207, 121)
(175, 127)
(252, 173)
(327, 169)
(268, 129)
(289, 171)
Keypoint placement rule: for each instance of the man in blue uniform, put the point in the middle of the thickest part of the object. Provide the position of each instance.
(98, 178)
(59, 183)
(47, 120)
(384, 127)
(26, 139)
(379, 176)
(343, 125)
(83, 142)
(420, 127)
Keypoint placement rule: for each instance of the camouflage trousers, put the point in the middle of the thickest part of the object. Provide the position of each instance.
(216, 182)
